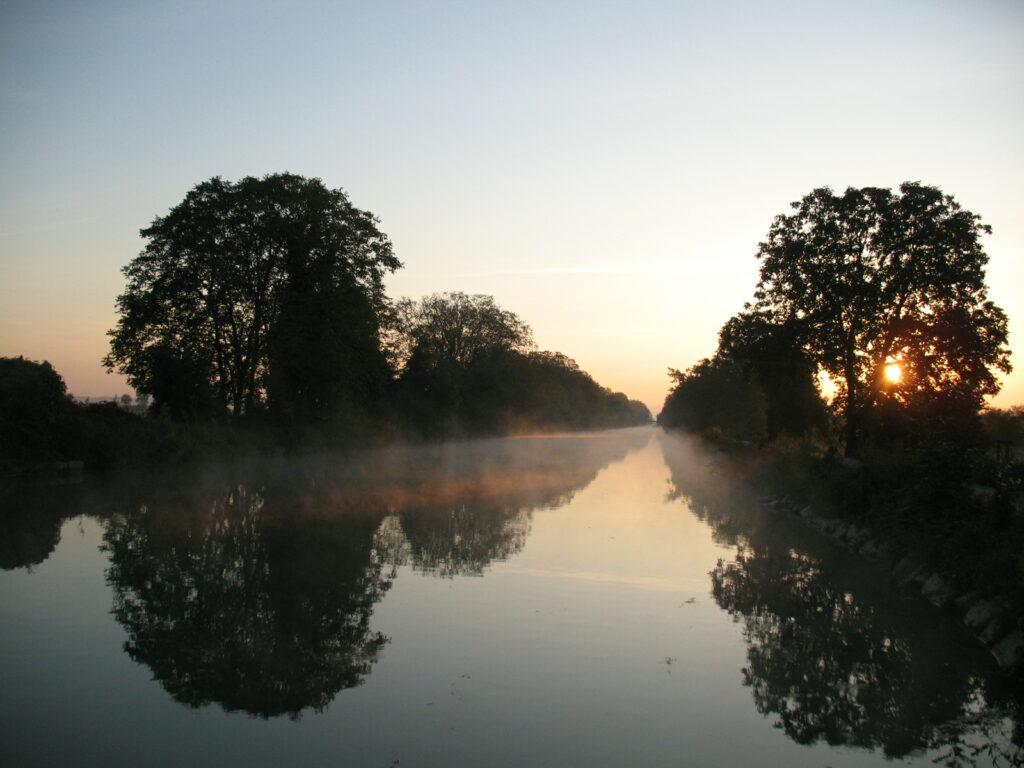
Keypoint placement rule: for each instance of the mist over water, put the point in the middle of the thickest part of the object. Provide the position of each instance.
(596, 599)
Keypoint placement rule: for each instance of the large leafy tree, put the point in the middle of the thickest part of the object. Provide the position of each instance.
(240, 285)
(876, 278)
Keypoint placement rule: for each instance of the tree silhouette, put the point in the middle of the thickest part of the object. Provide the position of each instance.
(772, 356)
(468, 366)
(35, 413)
(715, 397)
(875, 277)
(247, 283)
(456, 329)
(247, 601)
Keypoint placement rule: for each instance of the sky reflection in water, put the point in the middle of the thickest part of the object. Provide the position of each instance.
(594, 600)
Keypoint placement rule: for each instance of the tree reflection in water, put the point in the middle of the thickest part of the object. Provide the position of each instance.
(832, 655)
(31, 516)
(261, 609)
(475, 505)
(257, 593)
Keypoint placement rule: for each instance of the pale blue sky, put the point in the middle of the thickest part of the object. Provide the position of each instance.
(604, 169)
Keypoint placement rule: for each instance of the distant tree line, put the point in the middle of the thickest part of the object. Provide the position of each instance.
(464, 365)
(42, 429)
(259, 305)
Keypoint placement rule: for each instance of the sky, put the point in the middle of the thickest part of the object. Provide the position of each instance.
(604, 170)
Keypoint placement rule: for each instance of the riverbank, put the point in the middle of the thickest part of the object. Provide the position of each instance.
(924, 519)
(992, 616)
(44, 431)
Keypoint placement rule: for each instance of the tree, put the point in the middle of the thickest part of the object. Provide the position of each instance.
(468, 366)
(458, 329)
(443, 343)
(34, 412)
(772, 356)
(239, 285)
(716, 397)
(877, 278)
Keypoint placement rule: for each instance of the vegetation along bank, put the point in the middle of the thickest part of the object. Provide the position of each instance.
(881, 296)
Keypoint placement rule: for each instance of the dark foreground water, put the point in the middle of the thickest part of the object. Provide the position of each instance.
(599, 600)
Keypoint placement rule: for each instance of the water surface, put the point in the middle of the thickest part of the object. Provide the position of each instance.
(596, 600)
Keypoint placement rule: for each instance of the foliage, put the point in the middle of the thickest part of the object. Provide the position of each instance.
(455, 329)
(262, 301)
(1005, 425)
(875, 277)
(34, 411)
(469, 367)
(715, 397)
(242, 289)
(771, 354)
(40, 425)
(951, 503)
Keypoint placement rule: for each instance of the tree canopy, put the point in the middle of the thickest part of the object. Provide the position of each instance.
(715, 397)
(467, 366)
(266, 296)
(877, 278)
(242, 288)
(33, 408)
(771, 356)
(457, 329)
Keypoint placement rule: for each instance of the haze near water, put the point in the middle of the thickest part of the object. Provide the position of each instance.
(604, 599)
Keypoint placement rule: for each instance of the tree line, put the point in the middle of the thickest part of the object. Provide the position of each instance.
(260, 305)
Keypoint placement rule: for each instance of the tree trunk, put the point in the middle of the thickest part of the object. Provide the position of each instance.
(852, 431)
(852, 410)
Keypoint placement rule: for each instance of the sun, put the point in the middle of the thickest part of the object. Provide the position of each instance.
(893, 373)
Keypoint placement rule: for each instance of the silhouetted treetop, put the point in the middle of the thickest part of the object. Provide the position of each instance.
(771, 355)
(222, 268)
(457, 329)
(263, 301)
(877, 278)
(34, 409)
(467, 366)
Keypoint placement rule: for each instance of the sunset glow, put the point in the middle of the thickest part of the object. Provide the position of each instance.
(511, 383)
(609, 206)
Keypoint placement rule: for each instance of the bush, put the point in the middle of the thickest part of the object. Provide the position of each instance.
(35, 414)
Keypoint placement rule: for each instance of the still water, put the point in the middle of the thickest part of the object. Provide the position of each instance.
(592, 600)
